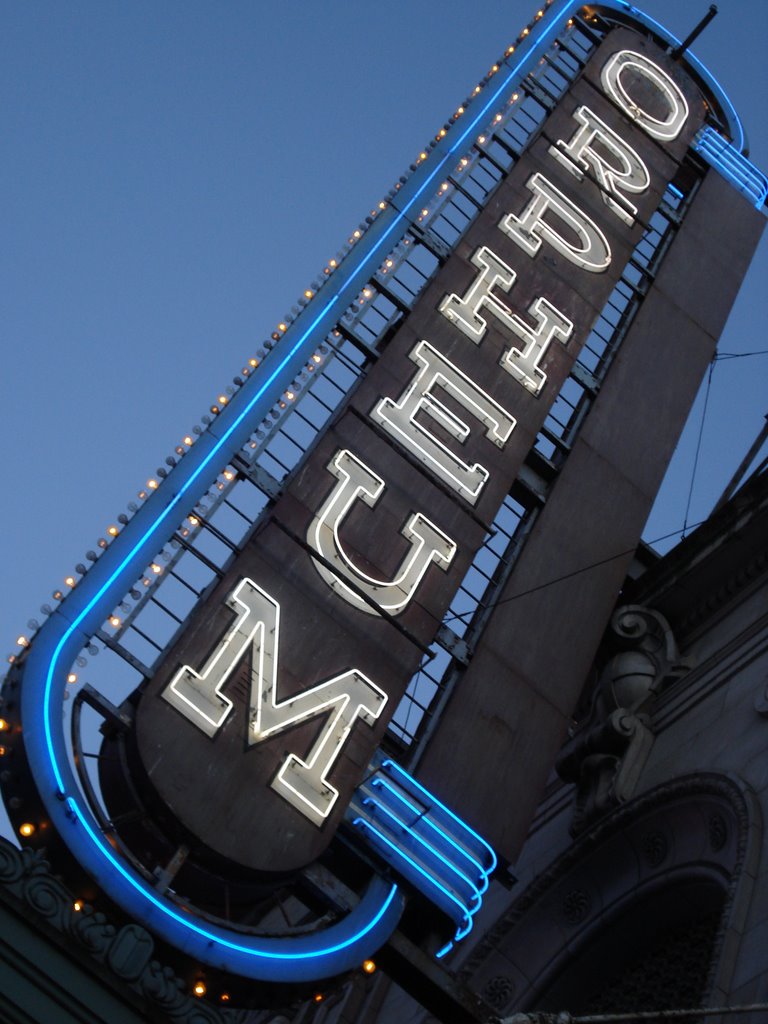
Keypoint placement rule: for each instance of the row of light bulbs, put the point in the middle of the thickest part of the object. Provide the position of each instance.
(200, 987)
(361, 229)
(290, 394)
(333, 264)
(23, 641)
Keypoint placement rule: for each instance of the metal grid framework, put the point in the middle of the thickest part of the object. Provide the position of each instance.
(152, 614)
(479, 591)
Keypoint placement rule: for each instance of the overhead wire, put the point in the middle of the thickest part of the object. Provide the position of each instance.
(681, 532)
(698, 447)
(740, 355)
(575, 572)
(716, 358)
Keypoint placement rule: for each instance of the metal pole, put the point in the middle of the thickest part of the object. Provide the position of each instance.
(680, 50)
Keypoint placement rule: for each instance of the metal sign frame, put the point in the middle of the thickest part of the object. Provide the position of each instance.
(70, 626)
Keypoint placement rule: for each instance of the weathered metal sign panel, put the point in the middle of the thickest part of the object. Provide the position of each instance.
(264, 717)
(259, 725)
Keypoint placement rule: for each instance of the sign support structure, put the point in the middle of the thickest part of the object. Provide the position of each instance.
(290, 718)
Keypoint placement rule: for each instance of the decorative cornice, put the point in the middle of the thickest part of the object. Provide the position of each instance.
(733, 794)
(733, 584)
(125, 951)
(734, 536)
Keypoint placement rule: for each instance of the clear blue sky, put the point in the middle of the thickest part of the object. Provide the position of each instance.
(175, 174)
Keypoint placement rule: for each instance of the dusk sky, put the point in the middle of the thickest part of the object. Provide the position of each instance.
(176, 174)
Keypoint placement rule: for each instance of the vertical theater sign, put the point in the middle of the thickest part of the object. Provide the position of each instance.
(316, 680)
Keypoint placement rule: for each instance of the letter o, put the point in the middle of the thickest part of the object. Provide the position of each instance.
(611, 78)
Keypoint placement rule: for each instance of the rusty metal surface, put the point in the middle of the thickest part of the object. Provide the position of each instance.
(507, 719)
(510, 710)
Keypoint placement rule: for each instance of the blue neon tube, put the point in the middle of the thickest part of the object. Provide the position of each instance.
(378, 783)
(68, 629)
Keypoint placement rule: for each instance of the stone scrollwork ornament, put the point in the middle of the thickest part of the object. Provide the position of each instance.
(605, 756)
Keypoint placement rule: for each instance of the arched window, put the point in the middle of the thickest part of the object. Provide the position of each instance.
(633, 915)
(656, 955)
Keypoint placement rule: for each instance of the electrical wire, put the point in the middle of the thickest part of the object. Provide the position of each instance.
(698, 447)
(740, 355)
(717, 358)
(575, 572)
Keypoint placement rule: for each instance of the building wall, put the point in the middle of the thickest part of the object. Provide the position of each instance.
(678, 830)
(642, 884)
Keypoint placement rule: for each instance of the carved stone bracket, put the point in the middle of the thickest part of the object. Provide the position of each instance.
(605, 757)
(649, 651)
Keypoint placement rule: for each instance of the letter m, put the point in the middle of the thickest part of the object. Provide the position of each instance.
(342, 700)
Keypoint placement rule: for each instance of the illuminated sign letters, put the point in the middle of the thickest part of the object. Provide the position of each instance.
(400, 419)
(440, 416)
(375, 528)
(428, 544)
(530, 228)
(464, 313)
(523, 364)
(627, 174)
(612, 77)
(344, 699)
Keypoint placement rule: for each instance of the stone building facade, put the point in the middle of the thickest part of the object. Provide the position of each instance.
(642, 884)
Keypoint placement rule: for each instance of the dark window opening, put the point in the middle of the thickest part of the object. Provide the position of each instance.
(656, 956)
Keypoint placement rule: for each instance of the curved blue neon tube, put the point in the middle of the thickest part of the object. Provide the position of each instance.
(67, 630)
(428, 823)
(467, 913)
(377, 809)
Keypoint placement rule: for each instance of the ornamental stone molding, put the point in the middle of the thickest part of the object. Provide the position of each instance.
(605, 756)
(126, 951)
(703, 827)
(734, 584)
